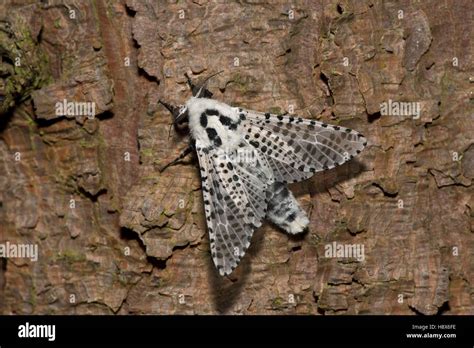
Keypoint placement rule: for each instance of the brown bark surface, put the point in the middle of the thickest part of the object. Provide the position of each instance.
(117, 236)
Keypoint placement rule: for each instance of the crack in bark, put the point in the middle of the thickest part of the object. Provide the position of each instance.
(384, 191)
(323, 77)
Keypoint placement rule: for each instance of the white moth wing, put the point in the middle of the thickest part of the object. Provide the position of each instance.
(235, 203)
(296, 148)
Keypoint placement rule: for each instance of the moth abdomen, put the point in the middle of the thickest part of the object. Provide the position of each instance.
(284, 210)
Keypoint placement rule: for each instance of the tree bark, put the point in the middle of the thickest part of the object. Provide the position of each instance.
(115, 235)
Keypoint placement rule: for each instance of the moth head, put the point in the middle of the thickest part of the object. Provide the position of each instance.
(182, 116)
(180, 113)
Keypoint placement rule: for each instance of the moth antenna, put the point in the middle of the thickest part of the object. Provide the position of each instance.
(167, 106)
(198, 94)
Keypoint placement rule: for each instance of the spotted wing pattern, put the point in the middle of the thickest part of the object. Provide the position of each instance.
(235, 201)
(296, 148)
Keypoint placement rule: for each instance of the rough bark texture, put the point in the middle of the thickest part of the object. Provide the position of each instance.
(123, 238)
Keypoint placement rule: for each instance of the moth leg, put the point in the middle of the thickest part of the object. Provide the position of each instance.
(284, 210)
(183, 154)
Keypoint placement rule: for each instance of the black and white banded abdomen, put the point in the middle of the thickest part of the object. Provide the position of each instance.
(283, 209)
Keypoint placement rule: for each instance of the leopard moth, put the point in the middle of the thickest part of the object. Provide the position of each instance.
(246, 160)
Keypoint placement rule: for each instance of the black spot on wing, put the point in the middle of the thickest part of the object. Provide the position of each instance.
(254, 143)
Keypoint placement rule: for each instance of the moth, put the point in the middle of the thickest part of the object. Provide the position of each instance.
(246, 159)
